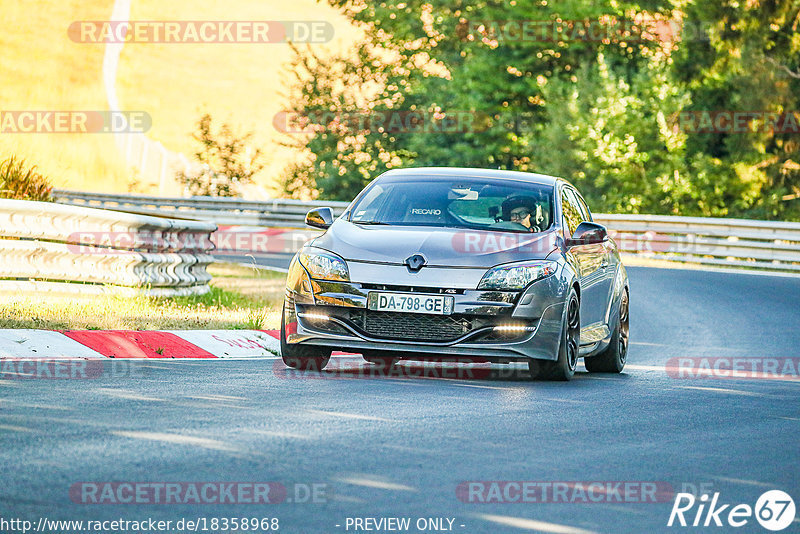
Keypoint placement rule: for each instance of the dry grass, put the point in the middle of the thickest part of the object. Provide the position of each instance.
(244, 84)
(43, 70)
(241, 298)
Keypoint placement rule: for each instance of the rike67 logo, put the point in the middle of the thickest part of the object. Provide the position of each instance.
(774, 510)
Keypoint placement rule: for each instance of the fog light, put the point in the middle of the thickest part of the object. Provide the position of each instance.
(314, 316)
(514, 328)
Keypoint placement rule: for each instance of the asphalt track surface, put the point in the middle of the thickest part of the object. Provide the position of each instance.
(400, 446)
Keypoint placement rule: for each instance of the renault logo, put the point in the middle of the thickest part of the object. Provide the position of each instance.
(415, 262)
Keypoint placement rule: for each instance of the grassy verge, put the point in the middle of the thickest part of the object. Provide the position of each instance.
(240, 298)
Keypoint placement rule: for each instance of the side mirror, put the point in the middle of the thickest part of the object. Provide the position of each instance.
(588, 233)
(320, 217)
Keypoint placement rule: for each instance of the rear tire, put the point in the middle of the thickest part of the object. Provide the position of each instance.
(564, 367)
(612, 359)
(302, 357)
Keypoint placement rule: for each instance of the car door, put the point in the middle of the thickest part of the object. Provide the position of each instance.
(610, 262)
(590, 261)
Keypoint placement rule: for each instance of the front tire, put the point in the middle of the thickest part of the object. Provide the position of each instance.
(302, 357)
(564, 367)
(612, 359)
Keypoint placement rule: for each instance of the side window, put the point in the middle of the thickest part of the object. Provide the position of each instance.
(585, 213)
(370, 200)
(572, 215)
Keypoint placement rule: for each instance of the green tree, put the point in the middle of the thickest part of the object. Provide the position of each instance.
(227, 161)
(438, 61)
(333, 94)
(745, 56)
(602, 113)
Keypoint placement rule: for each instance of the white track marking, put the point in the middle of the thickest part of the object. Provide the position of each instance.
(21, 343)
(177, 439)
(375, 483)
(232, 343)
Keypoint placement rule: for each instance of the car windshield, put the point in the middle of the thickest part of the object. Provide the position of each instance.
(472, 203)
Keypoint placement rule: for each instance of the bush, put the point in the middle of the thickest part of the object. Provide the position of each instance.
(227, 162)
(21, 183)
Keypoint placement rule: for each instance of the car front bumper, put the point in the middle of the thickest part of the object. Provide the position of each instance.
(496, 326)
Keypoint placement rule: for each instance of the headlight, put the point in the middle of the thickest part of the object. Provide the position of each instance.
(324, 265)
(513, 276)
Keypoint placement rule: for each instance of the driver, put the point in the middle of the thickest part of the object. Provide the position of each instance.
(521, 215)
(522, 210)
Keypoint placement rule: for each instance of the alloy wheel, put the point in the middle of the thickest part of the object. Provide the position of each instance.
(623, 327)
(573, 332)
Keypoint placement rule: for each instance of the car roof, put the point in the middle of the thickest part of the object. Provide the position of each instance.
(452, 172)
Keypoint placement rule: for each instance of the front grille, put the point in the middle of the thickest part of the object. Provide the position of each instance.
(411, 326)
(403, 326)
(416, 325)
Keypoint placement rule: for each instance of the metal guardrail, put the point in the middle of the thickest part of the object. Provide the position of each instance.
(280, 213)
(56, 247)
(772, 246)
(768, 245)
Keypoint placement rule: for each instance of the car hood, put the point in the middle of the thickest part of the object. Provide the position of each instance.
(441, 247)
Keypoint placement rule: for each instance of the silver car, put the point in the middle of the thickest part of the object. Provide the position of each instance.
(449, 263)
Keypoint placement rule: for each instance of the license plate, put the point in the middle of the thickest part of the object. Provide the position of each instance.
(411, 303)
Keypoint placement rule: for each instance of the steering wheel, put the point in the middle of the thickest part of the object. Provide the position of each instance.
(509, 225)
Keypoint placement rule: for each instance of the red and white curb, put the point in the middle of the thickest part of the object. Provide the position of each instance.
(93, 344)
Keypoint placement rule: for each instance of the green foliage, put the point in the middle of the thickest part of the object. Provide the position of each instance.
(746, 57)
(340, 156)
(19, 182)
(227, 161)
(594, 134)
(602, 114)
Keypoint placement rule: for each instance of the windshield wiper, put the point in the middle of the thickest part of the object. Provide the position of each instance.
(370, 223)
